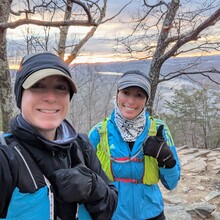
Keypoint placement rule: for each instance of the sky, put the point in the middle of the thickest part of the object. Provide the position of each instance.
(100, 48)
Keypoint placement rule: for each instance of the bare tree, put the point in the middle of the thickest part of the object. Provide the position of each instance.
(57, 14)
(95, 98)
(5, 83)
(165, 30)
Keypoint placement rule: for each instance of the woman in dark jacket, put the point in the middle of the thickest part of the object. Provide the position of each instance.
(47, 168)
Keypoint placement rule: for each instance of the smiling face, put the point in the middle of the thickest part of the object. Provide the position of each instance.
(45, 104)
(131, 101)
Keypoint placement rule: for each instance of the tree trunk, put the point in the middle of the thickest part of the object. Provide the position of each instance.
(155, 73)
(158, 57)
(64, 31)
(5, 79)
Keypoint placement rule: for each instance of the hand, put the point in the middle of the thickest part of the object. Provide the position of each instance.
(155, 146)
(74, 184)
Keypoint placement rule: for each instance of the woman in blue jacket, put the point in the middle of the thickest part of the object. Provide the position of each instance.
(46, 167)
(136, 151)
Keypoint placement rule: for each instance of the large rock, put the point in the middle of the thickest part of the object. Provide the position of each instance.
(197, 195)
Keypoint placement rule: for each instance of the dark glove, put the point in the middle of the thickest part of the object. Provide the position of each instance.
(74, 184)
(155, 146)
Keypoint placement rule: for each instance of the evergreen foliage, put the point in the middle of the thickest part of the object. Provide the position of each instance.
(194, 118)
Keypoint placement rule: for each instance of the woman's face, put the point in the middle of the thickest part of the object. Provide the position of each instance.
(45, 104)
(131, 101)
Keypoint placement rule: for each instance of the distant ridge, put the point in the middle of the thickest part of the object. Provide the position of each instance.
(171, 65)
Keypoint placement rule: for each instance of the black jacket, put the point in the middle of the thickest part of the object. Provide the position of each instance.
(58, 163)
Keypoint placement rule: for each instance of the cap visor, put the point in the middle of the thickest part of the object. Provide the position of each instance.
(43, 73)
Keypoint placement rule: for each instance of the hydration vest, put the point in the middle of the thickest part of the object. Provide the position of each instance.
(151, 170)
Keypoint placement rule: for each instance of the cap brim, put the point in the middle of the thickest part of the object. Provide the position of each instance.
(127, 85)
(43, 73)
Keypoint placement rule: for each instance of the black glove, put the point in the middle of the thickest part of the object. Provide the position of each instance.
(74, 184)
(155, 146)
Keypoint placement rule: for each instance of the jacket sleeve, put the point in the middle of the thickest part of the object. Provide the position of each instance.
(103, 200)
(7, 182)
(169, 176)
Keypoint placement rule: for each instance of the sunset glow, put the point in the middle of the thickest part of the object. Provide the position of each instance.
(100, 58)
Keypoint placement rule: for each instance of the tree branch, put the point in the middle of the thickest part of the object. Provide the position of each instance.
(205, 73)
(20, 22)
(192, 34)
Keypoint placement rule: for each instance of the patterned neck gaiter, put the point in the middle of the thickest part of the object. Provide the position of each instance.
(130, 129)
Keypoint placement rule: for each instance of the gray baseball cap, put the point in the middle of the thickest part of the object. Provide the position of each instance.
(135, 78)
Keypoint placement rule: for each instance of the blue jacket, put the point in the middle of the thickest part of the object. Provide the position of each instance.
(137, 201)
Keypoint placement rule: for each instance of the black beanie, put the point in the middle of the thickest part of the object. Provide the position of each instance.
(37, 66)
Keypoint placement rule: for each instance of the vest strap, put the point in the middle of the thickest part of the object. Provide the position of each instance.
(126, 159)
(127, 180)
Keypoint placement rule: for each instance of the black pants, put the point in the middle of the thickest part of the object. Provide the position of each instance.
(161, 216)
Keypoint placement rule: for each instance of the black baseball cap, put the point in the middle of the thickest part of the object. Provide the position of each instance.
(37, 66)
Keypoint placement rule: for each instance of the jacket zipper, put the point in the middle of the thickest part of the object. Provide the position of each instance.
(56, 159)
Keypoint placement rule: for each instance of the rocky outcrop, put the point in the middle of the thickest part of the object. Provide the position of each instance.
(197, 195)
